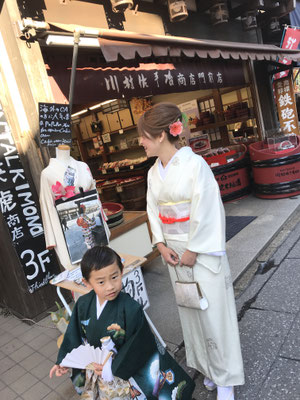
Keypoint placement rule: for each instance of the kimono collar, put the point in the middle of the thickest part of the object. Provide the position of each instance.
(183, 152)
(99, 307)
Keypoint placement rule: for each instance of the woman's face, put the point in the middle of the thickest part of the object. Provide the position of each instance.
(150, 144)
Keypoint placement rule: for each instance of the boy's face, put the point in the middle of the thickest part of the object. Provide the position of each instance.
(106, 282)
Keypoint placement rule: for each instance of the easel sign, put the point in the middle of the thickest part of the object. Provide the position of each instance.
(55, 124)
(134, 285)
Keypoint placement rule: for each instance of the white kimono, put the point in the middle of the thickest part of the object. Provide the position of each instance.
(190, 193)
(56, 172)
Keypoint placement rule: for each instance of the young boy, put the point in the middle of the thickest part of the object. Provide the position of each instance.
(142, 368)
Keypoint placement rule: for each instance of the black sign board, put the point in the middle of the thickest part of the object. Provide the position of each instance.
(55, 124)
(102, 83)
(21, 214)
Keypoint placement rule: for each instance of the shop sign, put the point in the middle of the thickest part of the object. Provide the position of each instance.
(286, 105)
(55, 124)
(21, 215)
(96, 84)
(134, 285)
(291, 38)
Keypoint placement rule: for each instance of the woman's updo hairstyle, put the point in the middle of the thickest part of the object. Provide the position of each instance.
(157, 119)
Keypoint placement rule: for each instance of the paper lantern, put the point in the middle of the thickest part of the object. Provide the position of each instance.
(177, 10)
(219, 13)
(249, 20)
(121, 5)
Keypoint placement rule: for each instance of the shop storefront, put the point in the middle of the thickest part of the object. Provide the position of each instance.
(212, 81)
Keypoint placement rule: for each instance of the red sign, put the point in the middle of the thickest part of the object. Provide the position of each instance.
(290, 41)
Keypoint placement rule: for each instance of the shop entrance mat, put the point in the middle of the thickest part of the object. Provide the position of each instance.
(234, 224)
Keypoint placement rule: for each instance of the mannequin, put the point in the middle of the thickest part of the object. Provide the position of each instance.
(63, 172)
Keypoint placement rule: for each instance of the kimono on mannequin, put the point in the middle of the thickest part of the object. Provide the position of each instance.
(186, 212)
(142, 368)
(71, 175)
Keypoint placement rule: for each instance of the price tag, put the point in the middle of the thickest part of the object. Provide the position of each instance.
(131, 166)
(104, 171)
(119, 189)
(117, 169)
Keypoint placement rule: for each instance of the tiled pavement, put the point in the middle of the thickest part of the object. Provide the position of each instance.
(27, 352)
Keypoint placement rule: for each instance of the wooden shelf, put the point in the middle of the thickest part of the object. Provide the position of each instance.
(115, 152)
(88, 140)
(123, 174)
(121, 150)
(221, 123)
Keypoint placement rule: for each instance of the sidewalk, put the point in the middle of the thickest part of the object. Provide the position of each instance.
(268, 305)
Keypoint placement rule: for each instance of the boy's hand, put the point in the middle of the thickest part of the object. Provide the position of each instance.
(58, 371)
(98, 368)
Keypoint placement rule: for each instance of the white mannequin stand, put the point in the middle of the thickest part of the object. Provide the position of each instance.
(55, 172)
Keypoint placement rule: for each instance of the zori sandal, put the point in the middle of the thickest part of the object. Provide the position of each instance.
(209, 385)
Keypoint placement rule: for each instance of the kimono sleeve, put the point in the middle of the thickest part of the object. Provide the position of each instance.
(73, 337)
(152, 211)
(207, 217)
(138, 347)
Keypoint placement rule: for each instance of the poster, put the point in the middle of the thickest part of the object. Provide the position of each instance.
(82, 223)
(190, 109)
(200, 144)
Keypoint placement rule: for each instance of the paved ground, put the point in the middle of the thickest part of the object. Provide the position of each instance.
(268, 304)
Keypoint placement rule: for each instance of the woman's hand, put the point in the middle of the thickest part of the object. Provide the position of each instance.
(169, 255)
(188, 258)
(98, 369)
(58, 371)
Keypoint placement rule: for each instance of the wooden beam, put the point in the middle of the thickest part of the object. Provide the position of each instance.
(25, 83)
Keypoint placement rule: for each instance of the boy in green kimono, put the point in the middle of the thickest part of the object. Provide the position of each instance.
(142, 368)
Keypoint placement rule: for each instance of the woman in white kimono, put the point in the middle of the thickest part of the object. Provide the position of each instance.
(188, 226)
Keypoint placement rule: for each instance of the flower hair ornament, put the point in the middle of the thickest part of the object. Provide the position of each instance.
(176, 127)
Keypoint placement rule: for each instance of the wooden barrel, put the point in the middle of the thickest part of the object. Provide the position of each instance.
(132, 192)
(232, 172)
(107, 191)
(276, 173)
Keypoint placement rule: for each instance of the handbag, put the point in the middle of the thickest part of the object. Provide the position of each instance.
(189, 294)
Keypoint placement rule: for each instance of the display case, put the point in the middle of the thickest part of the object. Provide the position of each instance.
(227, 116)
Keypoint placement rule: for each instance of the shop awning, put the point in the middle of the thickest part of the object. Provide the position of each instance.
(129, 45)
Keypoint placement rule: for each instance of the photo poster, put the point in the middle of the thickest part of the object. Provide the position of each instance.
(55, 124)
(82, 223)
(190, 108)
(296, 79)
(200, 144)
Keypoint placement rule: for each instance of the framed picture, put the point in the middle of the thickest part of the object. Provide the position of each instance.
(81, 218)
(200, 144)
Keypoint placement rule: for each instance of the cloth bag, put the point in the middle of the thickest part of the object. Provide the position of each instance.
(189, 294)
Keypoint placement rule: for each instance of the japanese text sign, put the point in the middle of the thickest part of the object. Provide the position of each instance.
(21, 215)
(100, 83)
(290, 42)
(286, 105)
(134, 285)
(55, 124)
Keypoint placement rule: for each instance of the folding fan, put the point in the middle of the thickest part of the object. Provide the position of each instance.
(83, 356)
